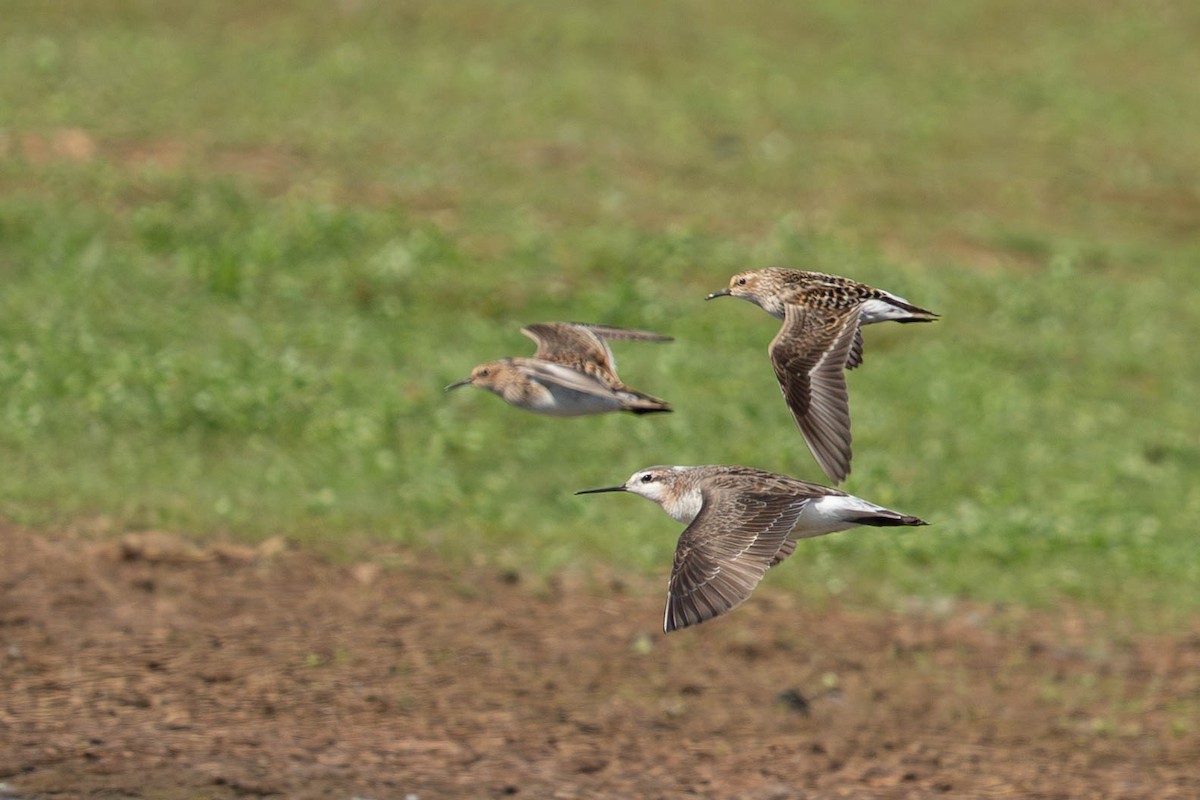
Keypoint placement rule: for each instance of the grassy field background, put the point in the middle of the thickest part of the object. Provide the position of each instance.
(244, 248)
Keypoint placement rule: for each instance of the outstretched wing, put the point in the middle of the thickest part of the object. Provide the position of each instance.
(810, 354)
(569, 343)
(614, 333)
(724, 553)
(579, 343)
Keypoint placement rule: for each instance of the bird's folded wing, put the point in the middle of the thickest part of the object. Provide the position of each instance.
(553, 375)
(855, 358)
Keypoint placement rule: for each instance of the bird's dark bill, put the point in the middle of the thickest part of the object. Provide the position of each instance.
(605, 489)
(722, 293)
(457, 384)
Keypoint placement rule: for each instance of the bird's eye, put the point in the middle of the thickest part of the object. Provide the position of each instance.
(741, 281)
(483, 373)
(647, 478)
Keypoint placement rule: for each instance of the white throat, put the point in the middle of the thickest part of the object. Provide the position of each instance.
(768, 303)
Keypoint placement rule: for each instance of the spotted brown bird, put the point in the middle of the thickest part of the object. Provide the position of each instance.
(820, 338)
(572, 373)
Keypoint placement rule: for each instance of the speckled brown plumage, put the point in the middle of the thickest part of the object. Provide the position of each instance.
(573, 372)
(820, 338)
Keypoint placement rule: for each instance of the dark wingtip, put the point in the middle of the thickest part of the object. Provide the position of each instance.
(678, 619)
(640, 411)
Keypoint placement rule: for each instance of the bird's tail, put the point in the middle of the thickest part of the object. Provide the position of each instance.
(890, 308)
(640, 403)
(918, 315)
(907, 312)
(885, 518)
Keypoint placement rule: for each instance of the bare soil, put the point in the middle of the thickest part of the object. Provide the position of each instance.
(153, 668)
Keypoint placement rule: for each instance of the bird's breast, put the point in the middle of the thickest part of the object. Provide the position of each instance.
(685, 508)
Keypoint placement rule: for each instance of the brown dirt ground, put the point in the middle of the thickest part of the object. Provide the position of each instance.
(152, 668)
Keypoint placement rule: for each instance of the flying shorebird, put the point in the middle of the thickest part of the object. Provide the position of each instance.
(740, 522)
(572, 373)
(821, 337)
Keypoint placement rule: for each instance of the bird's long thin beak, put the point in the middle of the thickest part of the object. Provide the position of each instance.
(722, 293)
(605, 489)
(456, 384)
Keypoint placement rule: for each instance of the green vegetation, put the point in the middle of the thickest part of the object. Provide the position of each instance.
(243, 249)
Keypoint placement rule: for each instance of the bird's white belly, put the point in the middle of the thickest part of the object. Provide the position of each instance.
(562, 402)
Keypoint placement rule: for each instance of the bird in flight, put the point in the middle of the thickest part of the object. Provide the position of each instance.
(572, 373)
(821, 338)
(740, 522)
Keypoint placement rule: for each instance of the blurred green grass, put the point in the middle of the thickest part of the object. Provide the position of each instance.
(243, 251)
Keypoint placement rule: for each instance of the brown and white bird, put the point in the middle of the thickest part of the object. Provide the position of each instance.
(740, 522)
(573, 372)
(820, 338)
